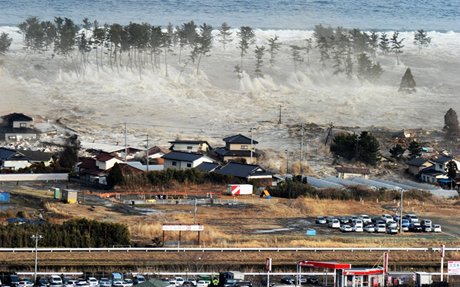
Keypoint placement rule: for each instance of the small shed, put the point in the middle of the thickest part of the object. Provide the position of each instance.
(70, 196)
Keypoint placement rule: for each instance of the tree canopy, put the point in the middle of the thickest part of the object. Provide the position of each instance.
(407, 82)
(364, 148)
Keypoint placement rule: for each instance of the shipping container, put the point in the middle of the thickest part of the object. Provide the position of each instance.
(239, 189)
(70, 196)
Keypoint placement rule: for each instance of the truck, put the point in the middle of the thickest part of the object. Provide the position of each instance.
(233, 279)
(239, 189)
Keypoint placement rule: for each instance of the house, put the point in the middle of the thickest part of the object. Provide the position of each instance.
(440, 163)
(12, 159)
(248, 172)
(196, 146)
(184, 160)
(17, 126)
(207, 166)
(431, 175)
(117, 150)
(415, 165)
(238, 147)
(347, 172)
(105, 161)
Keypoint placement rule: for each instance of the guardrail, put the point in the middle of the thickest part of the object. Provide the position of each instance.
(232, 249)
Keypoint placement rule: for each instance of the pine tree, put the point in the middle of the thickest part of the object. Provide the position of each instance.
(224, 34)
(407, 82)
(296, 57)
(451, 124)
(421, 39)
(246, 35)
(384, 44)
(415, 150)
(396, 45)
(259, 53)
(397, 151)
(5, 43)
(273, 48)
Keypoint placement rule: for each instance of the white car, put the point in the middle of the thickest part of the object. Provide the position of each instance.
(380, 228)
(55, 279)
(118, 283)
(346, 228)
(365, 218)
(92, 281)
(128, 282)
(25, 283)
(369, 228)
(334, 223)
(358, 229)
(179, 281)
(436, 228)
(203, 283)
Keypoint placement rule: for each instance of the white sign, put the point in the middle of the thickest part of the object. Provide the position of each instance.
(453, 267)
(183, 227)
(268, 264)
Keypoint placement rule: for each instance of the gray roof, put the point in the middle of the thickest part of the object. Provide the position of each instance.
(430, 171)
(443, 159)
(241, 170)
(36, 155)
(182, 156)
(418, 161)
(223, 151)
(189, 142)
(16, 117)
(207, 166)
(239, 139)
(7, 153)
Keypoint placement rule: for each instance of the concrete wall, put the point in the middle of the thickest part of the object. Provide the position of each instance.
(34, 176)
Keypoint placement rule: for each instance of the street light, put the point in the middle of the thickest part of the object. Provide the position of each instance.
(36, 237)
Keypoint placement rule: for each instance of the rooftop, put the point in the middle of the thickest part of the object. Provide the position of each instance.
(238, 169)
(239, 139)
(418, 161)
(183, 156)
(14, 117)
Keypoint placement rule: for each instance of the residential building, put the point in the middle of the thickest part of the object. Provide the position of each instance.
(17, 126)
(105, 161)
(437, 173)
(417, 164)
(248, 172)
(207, 166)
(12, 159)
(184, 160)
(238, 147)
(196, 146)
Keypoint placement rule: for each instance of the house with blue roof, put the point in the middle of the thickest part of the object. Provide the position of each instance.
(184, 160)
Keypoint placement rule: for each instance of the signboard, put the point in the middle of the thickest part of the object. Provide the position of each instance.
(453, 267)
(268, 264)
(183, 227)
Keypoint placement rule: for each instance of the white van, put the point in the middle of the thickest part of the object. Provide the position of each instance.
(358, 223)
(55, 280)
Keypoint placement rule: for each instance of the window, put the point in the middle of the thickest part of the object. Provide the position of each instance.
(174, 163)
(12, 137)
(189, 147)
(22, 125)
(189, 165)
(244, 146)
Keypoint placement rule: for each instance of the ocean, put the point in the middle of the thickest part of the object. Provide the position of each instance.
(401, 15)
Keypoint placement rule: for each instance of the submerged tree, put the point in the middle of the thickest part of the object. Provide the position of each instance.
(397, 151)
(273, 48)
(224, 34)
(368, 70)
(5, 43)
(451, 125)
(407, 82)
(33, 33)
(246, 35)
(384, 43)
(296, 56)
(259, 53)
(421, 39)
(396, 45)
(415, 150)
(203, 44)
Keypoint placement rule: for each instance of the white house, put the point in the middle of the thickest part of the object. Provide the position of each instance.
(184, 160)
(16, 126)
(106, 161)
(196, 146)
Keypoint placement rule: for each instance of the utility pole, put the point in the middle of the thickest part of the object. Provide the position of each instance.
(401, 213)
(252, 143)
(147, 152)
(279, 119)
(194, 212)
(301, 148)
(36, 237)
(126, 144)
(287, 161)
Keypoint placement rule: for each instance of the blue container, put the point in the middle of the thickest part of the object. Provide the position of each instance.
(311, 232)
(4, 197)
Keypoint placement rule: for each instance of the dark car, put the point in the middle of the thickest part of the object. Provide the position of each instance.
(415, 227)
(312, 279)
(42, 282)
(288, 280)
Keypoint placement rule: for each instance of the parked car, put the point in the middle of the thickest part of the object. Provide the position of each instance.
(179, 281)
(427, 228)
(437, 228)
(346, 228)
(415, 227)
(358, 222)
(392, 230)
(55, 279)
(67, 282)
(192, 280)
(128, 282)
(105, 282)
(380, 228)
(369, 228)
(344, 220)
(365, 218)
(313, 279)
(335, 223)
(117, 283)
(387, 218)
(411, 217)
(42, 282)
(426, 222)
(188, 284)
(288, 280)
(25, 283)
(405, 225)
(358, 229)
(92, 281)
(203, 283)
(320, 220)
(392, 224)
(82, 283)
(138, 279)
